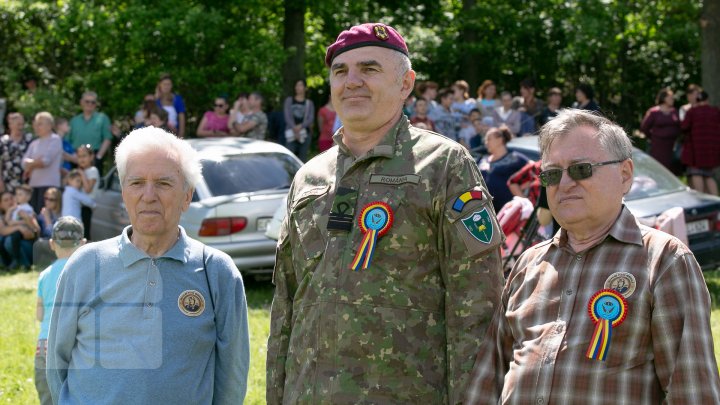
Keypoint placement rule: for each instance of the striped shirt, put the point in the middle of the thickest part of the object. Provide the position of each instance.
(536, 348)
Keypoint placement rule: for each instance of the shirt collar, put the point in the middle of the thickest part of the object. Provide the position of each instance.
(385, 148)
(129, 253)
(625, 229)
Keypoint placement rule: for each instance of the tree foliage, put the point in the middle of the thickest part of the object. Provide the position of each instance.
(626, 49)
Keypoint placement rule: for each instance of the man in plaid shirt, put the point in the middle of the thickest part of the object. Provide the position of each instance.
(608, 311)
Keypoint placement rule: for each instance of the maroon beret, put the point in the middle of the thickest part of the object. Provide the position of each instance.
(368, 34)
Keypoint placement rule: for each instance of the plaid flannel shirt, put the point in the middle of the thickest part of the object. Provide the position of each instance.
(535, 352)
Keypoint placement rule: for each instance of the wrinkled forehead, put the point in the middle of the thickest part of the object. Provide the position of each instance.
(159, 160)
(363, 56)
(578, 144)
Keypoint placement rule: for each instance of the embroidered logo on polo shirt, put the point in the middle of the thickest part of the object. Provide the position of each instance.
(191, 303)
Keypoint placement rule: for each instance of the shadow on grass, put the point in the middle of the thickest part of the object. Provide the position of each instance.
(259, 293)
(712, 279)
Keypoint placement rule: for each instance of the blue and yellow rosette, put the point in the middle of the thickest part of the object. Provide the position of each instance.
(607, 309)
(375, 220)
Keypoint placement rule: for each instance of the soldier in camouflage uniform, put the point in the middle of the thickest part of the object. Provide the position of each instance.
(388, 265)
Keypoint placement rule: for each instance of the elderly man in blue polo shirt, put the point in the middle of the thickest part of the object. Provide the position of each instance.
(150, 316)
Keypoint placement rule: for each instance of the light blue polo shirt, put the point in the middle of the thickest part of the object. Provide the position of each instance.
(131, 329)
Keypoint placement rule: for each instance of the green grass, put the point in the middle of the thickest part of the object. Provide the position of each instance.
(18, 334)
(18, 331)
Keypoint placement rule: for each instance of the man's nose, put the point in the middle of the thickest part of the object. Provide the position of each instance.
(149, 192)
(354, 79)
(566, 180)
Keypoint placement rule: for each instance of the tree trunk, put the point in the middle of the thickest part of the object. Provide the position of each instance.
(469, 59)
(294, 45)
(710, 49)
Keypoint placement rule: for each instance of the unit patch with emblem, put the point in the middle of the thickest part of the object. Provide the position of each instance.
(480, 225)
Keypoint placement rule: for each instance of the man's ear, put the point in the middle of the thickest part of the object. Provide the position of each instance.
(408, 84)
(627, 170)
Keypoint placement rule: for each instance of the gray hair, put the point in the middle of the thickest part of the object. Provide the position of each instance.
(89, 93)
(157, 139)
(611, 136)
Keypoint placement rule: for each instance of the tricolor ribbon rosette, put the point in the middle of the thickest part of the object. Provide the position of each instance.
(375, 220)
(607, 309)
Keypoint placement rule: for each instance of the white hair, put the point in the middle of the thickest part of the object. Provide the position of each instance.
(156, 139)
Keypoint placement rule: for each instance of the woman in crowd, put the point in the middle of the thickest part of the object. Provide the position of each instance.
(16, 240)
(215, 123)
(691, 94)
(50, 212)
(172, 103)
(299, 116)
(661, 126)
(43, 159)
(462, 103)
(585, 98)
(487, 98)
(506, 115)
(326, 119)
(13, 146)
(143, 114)
(701, 145)
(499, 165)
(554, 104)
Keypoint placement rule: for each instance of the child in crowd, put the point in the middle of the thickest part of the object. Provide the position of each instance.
(62, 127)
(22, 209)
(158, 117)
(90, 182)
(467, 128)
(23, 217)
(73, 196)
(67, 236)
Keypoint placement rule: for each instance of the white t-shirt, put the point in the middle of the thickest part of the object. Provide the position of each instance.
(93, 173)
(172, 115)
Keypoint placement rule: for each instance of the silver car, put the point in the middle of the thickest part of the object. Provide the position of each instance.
(244, 182)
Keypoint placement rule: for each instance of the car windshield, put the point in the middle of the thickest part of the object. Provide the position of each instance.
(651, 178)
(248, 173)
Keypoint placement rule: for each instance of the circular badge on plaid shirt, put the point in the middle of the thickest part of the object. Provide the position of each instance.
(622, 282)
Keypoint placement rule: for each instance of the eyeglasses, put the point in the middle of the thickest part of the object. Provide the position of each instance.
(50, 199)
(90, 101)
(577, 171)
(219, 105)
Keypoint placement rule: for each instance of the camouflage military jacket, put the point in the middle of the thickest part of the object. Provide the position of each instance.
(407, 328)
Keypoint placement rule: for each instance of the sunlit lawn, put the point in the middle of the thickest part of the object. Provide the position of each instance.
(18, 334)
(18, 331)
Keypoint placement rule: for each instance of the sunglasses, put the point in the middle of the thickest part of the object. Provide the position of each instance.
(577, 171)
(220, 105)
(90, 101)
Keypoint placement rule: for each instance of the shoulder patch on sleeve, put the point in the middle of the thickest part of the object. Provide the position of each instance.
(474, 221)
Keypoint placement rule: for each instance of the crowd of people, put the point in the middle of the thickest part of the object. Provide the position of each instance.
(67, 155)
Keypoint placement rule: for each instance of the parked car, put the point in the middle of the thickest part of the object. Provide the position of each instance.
(244, 182)
(654, 190)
